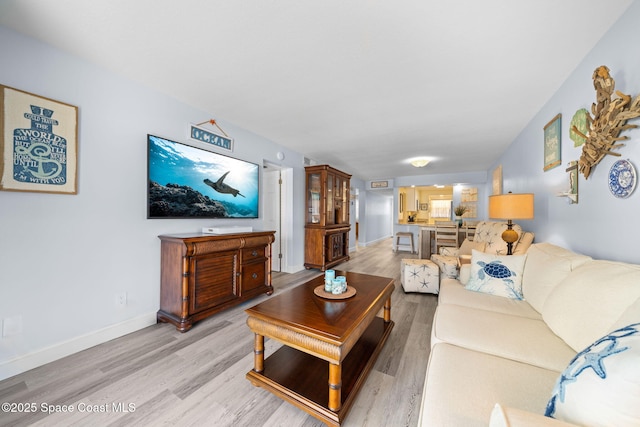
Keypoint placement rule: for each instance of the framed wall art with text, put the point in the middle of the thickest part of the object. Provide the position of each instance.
(38, 143)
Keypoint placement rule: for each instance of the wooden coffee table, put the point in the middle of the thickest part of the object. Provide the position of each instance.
(346, 333)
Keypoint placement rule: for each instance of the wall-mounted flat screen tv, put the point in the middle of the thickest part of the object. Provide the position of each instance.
(190, 182)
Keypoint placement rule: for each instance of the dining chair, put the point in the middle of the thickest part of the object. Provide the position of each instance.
(446, 235)
(469, 229)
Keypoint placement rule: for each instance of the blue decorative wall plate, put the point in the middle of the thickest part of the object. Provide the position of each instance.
(622, 179)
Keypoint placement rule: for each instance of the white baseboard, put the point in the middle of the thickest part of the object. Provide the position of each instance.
(294, 269)
(46, 355)
(376, 241)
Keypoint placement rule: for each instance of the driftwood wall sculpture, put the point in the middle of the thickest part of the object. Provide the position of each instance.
(610, 115)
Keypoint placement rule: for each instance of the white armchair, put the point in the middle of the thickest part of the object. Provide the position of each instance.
(490, 232)
(449, 259)
(488, 238)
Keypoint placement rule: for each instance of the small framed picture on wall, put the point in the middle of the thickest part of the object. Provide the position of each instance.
(552, 143)
(496, 180)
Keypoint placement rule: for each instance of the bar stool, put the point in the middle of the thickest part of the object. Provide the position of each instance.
(400, 235)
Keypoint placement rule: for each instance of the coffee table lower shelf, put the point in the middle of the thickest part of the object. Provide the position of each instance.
(302, 379)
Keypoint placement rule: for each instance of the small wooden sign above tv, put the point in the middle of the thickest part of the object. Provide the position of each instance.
(205, 135)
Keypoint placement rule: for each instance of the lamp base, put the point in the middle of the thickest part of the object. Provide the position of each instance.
(510, 236)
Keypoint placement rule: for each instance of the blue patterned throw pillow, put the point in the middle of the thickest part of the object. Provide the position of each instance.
(499, 275)
(601, 385)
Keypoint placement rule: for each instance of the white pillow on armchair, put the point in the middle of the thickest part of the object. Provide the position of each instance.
(465, 273)
(465, 248)
(490, 232)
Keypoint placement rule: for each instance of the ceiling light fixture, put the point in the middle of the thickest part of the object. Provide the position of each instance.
(419, 163)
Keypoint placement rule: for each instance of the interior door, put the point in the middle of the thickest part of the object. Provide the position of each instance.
(272, 215)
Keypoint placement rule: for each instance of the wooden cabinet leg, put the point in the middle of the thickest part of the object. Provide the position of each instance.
(335, 387)
(387, 311)
(258, 353)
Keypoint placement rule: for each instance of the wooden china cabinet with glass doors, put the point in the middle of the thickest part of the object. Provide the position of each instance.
(327, 217)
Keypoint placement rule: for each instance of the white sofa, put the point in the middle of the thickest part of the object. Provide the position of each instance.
(496, 360)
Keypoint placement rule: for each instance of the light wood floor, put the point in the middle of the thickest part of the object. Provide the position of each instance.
(198, 378)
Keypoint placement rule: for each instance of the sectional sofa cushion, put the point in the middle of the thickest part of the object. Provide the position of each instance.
(496, 275)
(590, 300)
(453, 292)
(522, 246)
(546, 266)
(601, 385)
(630, 315)
(516, 338)
(462, 387)
(502, 416)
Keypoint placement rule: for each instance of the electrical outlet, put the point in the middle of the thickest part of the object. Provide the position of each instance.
(12, 326)
(121, 299)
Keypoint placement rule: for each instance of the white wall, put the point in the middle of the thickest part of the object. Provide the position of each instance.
(379, 206)
(63, 258)
(600, 225)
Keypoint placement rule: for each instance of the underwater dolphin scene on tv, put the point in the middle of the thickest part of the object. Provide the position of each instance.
(190, 182)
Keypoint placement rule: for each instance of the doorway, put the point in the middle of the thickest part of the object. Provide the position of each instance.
(355, 213)
(277, 212)
(272, 212)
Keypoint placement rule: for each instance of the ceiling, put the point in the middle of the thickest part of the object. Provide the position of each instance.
(363, 85)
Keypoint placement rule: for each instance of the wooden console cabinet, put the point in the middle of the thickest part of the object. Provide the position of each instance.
(327, 217)
(202, 274)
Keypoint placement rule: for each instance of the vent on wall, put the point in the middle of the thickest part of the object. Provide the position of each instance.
(308, 162)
